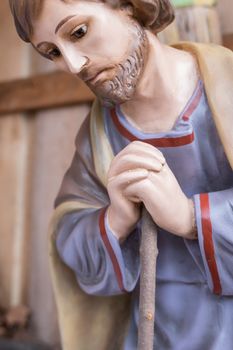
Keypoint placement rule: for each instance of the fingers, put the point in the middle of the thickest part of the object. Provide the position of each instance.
(143, 146)
(126, 178)
(130, 162)
(138, 191)
(137, 155)
(146, 187)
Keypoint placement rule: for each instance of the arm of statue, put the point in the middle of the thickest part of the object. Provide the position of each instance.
(214, 218)
(85, 241)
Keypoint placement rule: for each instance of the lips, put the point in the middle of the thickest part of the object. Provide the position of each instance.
(94, 77)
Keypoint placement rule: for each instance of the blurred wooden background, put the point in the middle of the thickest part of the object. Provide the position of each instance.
(35, 149)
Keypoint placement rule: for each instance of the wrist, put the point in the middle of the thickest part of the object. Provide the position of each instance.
(119, 226)
(191, 232)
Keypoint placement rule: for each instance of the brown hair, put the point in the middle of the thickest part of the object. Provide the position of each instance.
(152, 14)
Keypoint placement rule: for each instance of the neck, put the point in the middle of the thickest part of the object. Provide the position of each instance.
(167, 82)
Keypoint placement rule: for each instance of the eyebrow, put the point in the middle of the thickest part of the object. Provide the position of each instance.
(63, 21)
(60, 24)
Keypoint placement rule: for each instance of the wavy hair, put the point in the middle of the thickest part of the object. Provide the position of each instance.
(154, 15)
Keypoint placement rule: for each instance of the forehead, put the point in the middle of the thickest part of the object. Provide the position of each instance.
(54, 12)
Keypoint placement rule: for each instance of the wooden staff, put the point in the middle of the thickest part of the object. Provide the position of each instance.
(148, 258)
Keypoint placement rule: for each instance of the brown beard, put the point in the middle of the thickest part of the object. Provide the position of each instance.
(122, 86)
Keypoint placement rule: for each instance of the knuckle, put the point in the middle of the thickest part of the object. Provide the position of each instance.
(125, 159)
(145, 185)
(136, 142)
(158, 152)
(111, 183)
(110, 174)
(109, 186)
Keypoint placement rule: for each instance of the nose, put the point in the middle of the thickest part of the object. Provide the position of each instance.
(74, 62)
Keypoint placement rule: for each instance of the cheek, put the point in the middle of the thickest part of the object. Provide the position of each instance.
(108, 40)
(61, 65)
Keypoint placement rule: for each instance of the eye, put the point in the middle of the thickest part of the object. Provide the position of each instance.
(54, 53)
(79, 32)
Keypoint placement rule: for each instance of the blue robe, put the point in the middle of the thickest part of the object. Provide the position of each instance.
(194, 300)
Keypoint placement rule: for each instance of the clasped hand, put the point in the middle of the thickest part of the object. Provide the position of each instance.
(139, 174)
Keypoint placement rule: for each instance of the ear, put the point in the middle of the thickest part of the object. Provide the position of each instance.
(127, 8)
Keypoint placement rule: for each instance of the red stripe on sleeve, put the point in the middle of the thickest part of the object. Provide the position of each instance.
(111, 253)
(208, 242)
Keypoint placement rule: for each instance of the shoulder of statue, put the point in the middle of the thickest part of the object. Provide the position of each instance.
(215, 64)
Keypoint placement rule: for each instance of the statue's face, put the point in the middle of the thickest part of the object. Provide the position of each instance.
(101, 45)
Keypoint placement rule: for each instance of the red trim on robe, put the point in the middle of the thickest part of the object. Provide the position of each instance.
(164, 141)
(193, 104)
(111, 253)
(208, 242)
(157, 142)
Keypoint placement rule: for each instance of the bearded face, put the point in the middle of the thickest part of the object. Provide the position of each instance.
(105, 47)
(122, 85)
